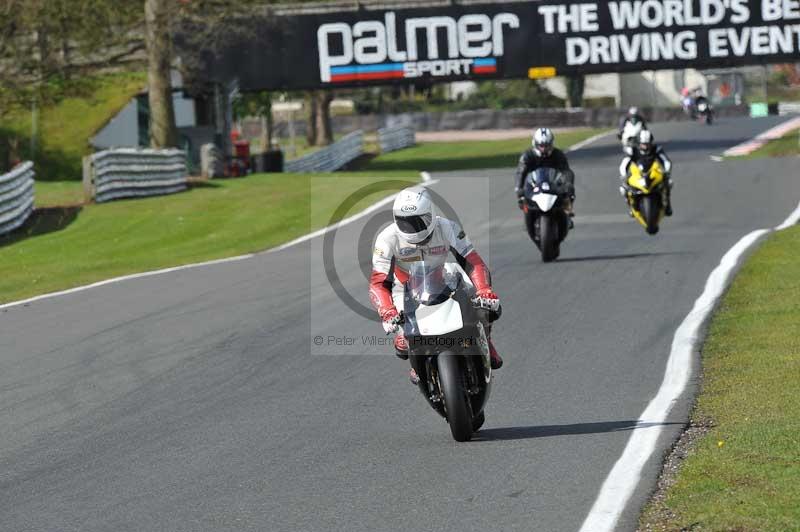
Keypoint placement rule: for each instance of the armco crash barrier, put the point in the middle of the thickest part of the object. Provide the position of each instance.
(396, 138)
(16, 197)
(501, 119)
(788, 108)
(331, 158)
(133, 173)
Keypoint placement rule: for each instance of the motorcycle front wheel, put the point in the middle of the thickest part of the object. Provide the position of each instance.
(456, 401)
(650, 208)
(548, 238)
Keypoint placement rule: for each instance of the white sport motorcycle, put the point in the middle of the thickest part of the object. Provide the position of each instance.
(448, 345)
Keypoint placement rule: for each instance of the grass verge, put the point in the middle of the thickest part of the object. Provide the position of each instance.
(69, 244)
(744, 474)
(785, 146)
(446, 156)
(63, 247)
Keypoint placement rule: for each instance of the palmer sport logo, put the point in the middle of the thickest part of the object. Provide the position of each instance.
(370, 50)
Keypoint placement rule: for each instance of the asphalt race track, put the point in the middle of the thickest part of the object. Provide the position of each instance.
(198, 401)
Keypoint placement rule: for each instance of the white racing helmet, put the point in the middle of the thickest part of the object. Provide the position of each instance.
(633, 111)
(414, 214)
(543, 141)
(646, 141)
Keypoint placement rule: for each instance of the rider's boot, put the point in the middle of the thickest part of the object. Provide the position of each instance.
(569, 209)
(623, 191)
(401, 350)
(668, 208)
(497, 361)
(401, 347)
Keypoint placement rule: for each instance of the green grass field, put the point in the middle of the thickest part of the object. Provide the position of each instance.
(786, 146)
(745, 473)
(446, 156)
(69, 244)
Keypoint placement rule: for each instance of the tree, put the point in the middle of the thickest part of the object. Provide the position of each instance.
(43, 43)
(257, 104)
(322, 114)
(319, 129)
(49, 47)
(163, 132)
(575, 86)
(311, 118)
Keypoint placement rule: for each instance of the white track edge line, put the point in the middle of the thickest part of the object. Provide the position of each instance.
(427, 181)
(123, 278)
(626, 473)
(792, 220)
(749, 146)
(582, 144)
(325, 230)
(372, 208)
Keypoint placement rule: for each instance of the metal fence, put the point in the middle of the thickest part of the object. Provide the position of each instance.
(331, 158)
(133, 173)
(16, 197)
(396, 138)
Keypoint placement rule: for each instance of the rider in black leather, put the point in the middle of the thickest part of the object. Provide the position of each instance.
(543, 154)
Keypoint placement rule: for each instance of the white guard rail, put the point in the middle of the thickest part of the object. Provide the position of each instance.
(16, 197)
(133, 173)
(396, 138)
(331, 158)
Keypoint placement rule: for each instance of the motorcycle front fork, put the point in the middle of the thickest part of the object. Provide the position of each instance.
(434, 386)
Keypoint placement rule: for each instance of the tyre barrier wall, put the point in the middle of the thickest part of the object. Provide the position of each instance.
(329, 159)
(16, 197)
(396, 138)
(133, 173)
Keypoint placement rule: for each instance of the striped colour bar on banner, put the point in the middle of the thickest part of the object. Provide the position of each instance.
(485, 66)
(367, 72)
(390, 71)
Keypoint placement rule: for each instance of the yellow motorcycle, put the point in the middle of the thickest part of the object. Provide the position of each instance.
(646, 190)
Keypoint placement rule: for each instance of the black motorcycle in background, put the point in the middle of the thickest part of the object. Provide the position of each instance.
(547, 222)
(703, 112)
(699, 108)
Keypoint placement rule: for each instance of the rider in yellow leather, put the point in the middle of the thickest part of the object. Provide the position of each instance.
(646, 152)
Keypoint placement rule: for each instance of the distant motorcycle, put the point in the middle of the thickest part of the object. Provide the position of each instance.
(545, 218)
(645, 190)
(630, 136)
(699, 109)
(449, 350)
(703, 110)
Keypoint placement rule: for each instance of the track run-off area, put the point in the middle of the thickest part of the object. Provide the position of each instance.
(198, 399)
